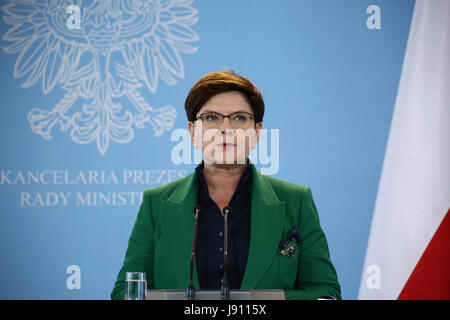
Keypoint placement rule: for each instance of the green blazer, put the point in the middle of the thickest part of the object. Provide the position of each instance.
(161, 240)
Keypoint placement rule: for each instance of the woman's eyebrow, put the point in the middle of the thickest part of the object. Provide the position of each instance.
(207, 110)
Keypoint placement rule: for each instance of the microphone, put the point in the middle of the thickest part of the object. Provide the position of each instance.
(225, 289)
(190, 292)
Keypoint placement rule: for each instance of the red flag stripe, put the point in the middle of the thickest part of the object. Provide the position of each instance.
(430, 278)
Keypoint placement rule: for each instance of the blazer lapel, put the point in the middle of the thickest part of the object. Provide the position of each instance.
(177, 230)
(267, 220)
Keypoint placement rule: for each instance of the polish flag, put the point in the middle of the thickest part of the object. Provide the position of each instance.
(408, 254)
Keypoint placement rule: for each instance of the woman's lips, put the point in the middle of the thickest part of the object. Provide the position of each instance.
(226, 145)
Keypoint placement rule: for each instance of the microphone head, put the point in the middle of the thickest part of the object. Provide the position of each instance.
(197, 208)
(226, 210)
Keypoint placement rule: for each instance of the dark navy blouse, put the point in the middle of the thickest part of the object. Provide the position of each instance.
(210, 238)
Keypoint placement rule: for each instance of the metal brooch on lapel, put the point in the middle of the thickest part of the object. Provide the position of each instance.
(289, 246)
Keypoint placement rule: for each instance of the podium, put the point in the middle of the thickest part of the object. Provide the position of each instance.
(215, 295)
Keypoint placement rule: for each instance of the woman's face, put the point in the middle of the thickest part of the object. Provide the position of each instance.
(225, 142)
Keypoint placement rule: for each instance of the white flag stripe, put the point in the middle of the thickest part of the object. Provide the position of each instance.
(414, 190)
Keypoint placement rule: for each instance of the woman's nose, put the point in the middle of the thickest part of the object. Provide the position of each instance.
(226, 124)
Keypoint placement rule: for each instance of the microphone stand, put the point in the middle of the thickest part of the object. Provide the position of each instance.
(190, 292)
(225, 289)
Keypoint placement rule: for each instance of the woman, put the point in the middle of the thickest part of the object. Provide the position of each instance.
(275, 240)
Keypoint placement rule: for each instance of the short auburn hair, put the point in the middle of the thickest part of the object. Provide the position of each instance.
(222, 81)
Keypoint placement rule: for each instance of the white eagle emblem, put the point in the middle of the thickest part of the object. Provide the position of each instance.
(122, 47)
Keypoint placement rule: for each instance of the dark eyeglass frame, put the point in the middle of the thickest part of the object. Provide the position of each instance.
(199, 117)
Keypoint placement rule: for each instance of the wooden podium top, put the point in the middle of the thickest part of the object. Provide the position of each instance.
(215, 295)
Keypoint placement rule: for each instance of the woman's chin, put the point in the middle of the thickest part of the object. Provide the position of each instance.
(226, 158)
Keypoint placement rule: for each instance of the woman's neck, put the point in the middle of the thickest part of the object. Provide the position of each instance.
(223, 177)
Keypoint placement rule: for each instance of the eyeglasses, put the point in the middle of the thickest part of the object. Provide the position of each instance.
(238, 120)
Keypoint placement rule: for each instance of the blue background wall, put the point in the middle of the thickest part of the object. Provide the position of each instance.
(329, 84)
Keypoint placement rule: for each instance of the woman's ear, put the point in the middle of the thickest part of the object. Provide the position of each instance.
(196, 133)
(191, 127)
(258, 127)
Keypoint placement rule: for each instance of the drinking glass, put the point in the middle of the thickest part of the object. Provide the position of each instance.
(135, 285)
